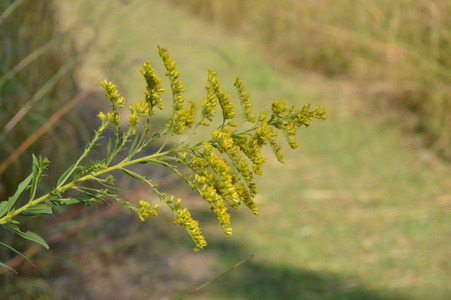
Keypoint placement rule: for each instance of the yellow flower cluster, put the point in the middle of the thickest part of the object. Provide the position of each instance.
(289, 120)
(153, 87)
(116, 101)
(226, 143)
(244, 99)
(215, 88)
(219, 182)
(185, 118)
(182, 117)
(245, 194)
(183, 218)
(212, 190)
(223, 175)
(217, 203)
(250, 147)
(177, 86)
(112, 94)
(208, 107)
(146, 209)
(137, 110)
(104, 119)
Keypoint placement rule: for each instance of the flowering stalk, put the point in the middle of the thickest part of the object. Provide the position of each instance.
(221, 168)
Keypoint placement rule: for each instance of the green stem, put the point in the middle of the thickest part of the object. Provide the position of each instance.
(92, 176)
(85, 153)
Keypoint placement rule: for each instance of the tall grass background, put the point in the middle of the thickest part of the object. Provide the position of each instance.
(397, 51)
(36, 80)
(38, 93)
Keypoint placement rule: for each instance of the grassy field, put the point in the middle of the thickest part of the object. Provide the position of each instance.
(397, 50)
(357, 212)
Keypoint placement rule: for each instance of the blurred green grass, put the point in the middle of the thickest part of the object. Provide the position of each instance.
(356, 213)
(398, 51)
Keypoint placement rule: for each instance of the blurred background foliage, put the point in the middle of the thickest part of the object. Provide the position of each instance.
(36, 79)
(398, 51)
(38, 97)
(359, 212)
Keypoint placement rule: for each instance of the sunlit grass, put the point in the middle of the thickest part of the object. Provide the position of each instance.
(396, 49)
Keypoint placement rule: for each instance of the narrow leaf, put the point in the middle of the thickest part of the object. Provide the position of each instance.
(78, 173)
(13, 227)
(108, 148)
(131, 174)
(91, 195)
(7, 228)
(35, 167)
(71, 201)
(39, 209)
(17, 252)
(81, 200)
(3, 265)
(65, 175)
(36, 170)
(22, 186)
(29, 235)
(3, 208)
(132, 147)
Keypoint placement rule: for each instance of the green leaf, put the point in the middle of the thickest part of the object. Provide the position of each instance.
(35, 166)
(35, 173)
(159, 163)
(7, 228)
(3, 265)
(29, 235)
(71, 201)
(65, 175)
(81, 200)
(3, 208)
(22, 186)
(131, 174)
(108, 148)
(78, 173)
(39, 209)
(13, 227)
(132, 147)
(17, 252)
(91, 195)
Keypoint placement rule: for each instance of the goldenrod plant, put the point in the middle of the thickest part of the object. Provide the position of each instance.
(221, 169)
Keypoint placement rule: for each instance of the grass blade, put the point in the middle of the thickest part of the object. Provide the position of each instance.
(3, 265)
(17, 252)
